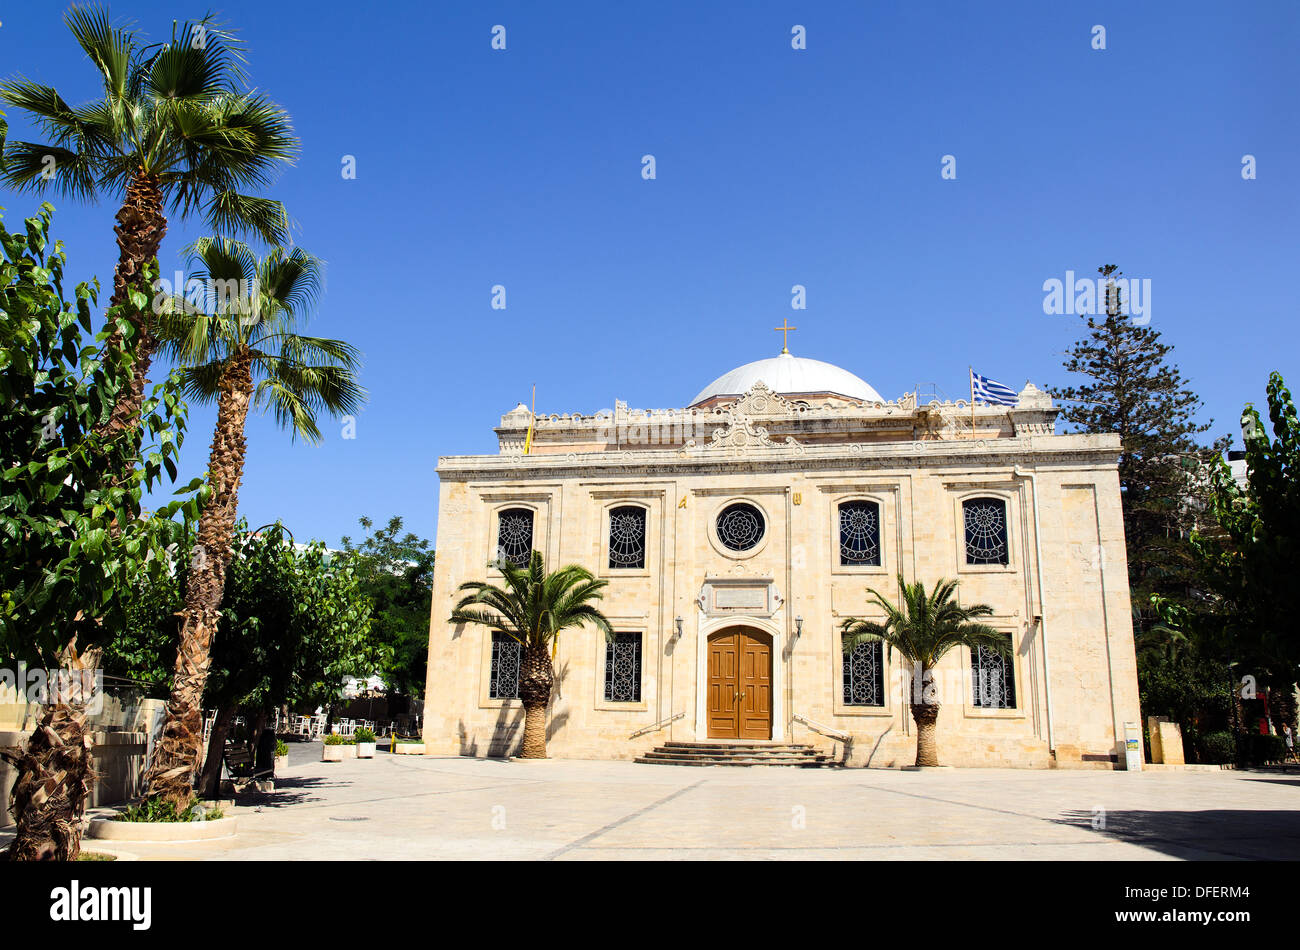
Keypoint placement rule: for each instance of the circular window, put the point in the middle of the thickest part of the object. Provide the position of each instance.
(740, 526)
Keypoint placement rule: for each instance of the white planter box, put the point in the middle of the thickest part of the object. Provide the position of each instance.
(409, 748)
(337, 753)
(160, 831)
(365, 750)
(281, 763)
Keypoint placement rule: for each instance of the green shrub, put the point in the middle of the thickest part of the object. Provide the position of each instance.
(1260, 750)
(364, 735)
(281, 747)
(156, 810)
(335, 739)
(1216, 748)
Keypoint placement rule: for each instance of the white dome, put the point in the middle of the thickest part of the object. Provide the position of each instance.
(789, 375)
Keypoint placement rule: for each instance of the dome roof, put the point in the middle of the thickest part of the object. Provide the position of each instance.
(789, 375)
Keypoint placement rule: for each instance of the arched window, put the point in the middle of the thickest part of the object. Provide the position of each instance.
(515, 535)
(986, 530)
(503, 681)
(740, 526)
(993, 679)
(864, 674)
(859, 533)
(627, 537)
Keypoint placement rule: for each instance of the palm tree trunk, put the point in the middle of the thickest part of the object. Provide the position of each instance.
(210, 781)
(925, 715)
(140, 229)
(54, 770)
(177, 752)
(536, 678)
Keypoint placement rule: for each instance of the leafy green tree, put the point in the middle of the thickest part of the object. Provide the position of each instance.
(1130, 388)
(1192, 687)
(243, 352)
(174, 124)
(293, 625)
(1250, 552)
(923, 628)
(397, 573)
(73, 539)
(334, 621)
(533, 609)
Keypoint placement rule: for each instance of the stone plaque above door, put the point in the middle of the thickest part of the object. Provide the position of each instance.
(750, 596)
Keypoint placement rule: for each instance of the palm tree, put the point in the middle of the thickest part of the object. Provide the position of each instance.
(241, 351)
(532, 609)
(171, 126)
(925, 628)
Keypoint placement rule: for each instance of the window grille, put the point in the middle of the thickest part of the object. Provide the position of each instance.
(740, 526)
(627, 537)
(623, 668)
(864, 675)
(515, 536)
(986, 531)
(503, 680)
(859, 533)
(993, 679)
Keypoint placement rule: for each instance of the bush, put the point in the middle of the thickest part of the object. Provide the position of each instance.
(334, 739)
(281, 747)
(1216, 748)
(363, 735)
(1260, 750)
(156, 810)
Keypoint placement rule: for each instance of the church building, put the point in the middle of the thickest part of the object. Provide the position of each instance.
(739, 532)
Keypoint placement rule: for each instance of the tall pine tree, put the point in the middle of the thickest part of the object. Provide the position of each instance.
(1131, 388)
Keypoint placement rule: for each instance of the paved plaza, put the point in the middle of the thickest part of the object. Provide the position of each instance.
(411, 807)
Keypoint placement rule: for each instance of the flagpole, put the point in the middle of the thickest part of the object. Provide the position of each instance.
(970, 371)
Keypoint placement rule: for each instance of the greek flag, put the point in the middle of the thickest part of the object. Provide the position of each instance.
(991, 391)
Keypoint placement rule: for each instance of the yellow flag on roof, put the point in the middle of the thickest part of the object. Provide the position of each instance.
(532, 420)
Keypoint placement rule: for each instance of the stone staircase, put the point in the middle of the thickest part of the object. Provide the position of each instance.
(725, 752)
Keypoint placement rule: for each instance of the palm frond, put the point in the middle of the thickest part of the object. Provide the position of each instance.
(41, 169)
(925, 625)
(292, 280)
(232, 214)
(533, 606)
(113, 51)
(288, 408)
(201, 61)
(202, 383)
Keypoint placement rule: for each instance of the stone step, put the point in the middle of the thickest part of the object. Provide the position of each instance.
(740, 746)
(727, 761)
(773, 756)
(738, 753)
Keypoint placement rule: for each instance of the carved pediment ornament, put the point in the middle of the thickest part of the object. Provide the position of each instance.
(741, 433)
(761, 401)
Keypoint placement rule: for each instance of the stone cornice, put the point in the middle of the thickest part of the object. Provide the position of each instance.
(770, 415)
(1055, 450)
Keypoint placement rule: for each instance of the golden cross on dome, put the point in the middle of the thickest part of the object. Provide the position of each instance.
(785, 328)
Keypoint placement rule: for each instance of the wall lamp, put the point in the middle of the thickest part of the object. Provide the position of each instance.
(798, 626)
(677, 622)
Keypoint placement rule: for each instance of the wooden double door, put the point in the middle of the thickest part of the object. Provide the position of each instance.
(739, 700)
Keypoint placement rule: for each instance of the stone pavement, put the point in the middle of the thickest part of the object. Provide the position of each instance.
(412, 807)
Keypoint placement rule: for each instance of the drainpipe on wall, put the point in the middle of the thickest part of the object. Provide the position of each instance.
(1042, 607)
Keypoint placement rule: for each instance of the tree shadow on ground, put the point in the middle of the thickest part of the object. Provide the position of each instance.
(1217, 834)
(507, 737)
(290, 791)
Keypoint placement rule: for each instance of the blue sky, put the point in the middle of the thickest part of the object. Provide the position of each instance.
(775, 167)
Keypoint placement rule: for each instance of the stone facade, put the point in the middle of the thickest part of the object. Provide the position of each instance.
(1062, 595)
